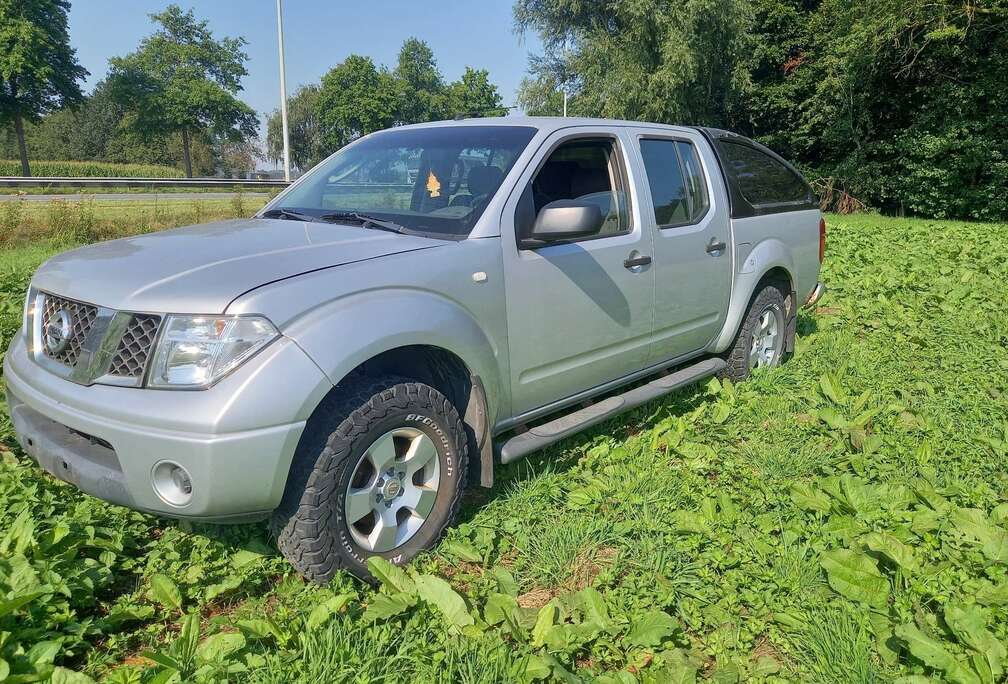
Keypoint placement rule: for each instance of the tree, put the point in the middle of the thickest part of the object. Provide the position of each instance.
(420, 84)
(356, 98)
(182, 80)
(899, 102)
(39, 71)
(475, 95)
(307, 147)
(651, 60)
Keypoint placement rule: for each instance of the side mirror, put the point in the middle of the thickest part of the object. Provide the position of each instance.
(567, 220)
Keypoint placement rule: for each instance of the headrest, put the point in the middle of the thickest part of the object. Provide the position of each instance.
(484, 180)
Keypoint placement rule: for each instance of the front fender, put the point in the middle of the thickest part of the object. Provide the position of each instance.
(765, 256)
(346, 332)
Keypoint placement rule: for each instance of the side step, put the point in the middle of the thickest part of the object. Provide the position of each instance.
(543, 435)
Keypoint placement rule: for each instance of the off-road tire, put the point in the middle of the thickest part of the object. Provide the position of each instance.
(737, 356)
(309, 524)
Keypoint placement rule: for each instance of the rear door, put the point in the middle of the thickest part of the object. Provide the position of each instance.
(578, 313)
(688, 216)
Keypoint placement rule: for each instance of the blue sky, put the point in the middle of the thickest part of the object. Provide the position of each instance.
(319, 34)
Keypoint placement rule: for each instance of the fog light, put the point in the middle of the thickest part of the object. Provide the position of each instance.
(172, 483)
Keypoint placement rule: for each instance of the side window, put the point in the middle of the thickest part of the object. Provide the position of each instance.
(696, 183)
(587, 170)
(665, 177)
(676, 179)
(761, 178)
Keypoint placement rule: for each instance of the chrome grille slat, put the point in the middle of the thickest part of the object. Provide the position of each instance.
(134, 349)
(82, 318)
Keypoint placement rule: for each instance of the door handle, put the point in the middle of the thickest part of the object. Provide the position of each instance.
(716, 246)
(634, 262)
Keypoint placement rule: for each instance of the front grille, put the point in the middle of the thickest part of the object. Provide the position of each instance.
(82, 316)
(131, 356)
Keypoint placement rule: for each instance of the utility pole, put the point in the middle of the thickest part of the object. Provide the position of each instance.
(283, 93)
(565, 99)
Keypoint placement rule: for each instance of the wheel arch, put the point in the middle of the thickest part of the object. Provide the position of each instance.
(446, 372)
(770, 261)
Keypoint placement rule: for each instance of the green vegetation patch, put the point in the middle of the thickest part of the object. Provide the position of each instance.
(842, 518)
(89, 169)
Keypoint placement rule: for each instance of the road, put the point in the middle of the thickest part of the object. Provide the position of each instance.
(134, 196)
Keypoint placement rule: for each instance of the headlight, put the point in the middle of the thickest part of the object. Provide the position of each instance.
(194, 352)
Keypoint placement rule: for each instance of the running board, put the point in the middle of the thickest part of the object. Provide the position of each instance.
(542, 436)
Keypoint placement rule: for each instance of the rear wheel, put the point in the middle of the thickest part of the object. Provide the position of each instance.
(762, 337)
(380, 470)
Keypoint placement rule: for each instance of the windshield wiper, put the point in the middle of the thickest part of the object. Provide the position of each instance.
(288, 214)
(366, 221)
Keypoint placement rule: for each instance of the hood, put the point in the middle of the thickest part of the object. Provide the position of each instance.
(201, 269)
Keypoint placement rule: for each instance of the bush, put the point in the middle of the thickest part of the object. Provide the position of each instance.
(89, 169)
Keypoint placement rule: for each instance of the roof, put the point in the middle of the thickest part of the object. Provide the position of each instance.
(545, 123)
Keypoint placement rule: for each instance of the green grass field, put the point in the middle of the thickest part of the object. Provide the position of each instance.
(843, 518)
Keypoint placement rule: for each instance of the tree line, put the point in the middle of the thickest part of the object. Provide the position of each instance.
(175, 99)
(899, 103)
(357, 97)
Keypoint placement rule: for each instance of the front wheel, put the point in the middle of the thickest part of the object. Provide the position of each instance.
(762, 337)
(378, 472)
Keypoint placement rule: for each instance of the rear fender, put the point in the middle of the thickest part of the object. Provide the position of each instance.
(767, 255)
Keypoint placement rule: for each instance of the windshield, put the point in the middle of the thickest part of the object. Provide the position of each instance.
(435, 181)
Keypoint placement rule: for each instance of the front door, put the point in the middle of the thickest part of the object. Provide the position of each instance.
(579, 313)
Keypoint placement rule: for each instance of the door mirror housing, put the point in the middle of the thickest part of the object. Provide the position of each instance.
(567, 220)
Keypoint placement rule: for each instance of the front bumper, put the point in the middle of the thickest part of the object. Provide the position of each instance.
(236, 439)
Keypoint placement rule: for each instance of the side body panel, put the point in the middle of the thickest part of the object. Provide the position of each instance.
(788, 240)
(576, 317)
(344, 316)
(692, 285)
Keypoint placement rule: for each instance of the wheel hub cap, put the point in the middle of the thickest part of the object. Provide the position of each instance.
(392, 489)
(765, 340)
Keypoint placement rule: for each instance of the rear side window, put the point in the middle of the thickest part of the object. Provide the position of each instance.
(761, 178)
(678, 186)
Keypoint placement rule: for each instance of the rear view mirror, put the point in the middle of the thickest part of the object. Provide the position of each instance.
(567, 220)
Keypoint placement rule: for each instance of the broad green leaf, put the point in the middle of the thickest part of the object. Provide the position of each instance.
(990, 595)
(392, 577)
(11, 605)
(244, 557)
(595, 610)
(460, 550)
(212, 591)
(544, 623)
(162, 659)
(855, 576)
(321, 613)
(188, 638)
(439, 594)
(506, 583)
(809, 498)
(832, 389)
(43, 653)
(384, 606)
(970, 628)
(651, 628)
(536, 668)
(255, 628)
(165, 591)
(499, 607)
(932, 653)
(218, 647)
(892, 548)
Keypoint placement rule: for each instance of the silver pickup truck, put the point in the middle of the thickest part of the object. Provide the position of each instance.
(427, 302)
